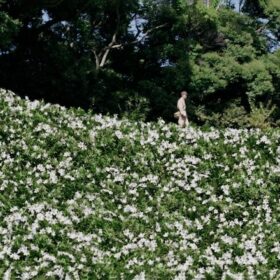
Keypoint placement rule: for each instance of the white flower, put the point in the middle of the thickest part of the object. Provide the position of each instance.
(119, 134)
(130, 209)
(140, 276)
(7, 274)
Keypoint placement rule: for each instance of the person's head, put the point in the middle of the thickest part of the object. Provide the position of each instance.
(184, 94)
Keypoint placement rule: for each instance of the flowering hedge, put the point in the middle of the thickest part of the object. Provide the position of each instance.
(87, 196)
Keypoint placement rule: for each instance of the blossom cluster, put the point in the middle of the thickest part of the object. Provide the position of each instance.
(86, 196)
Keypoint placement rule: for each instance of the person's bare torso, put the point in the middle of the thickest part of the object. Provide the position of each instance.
(181, 105)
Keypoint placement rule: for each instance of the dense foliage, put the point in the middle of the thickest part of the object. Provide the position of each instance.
(133, 57)
(87, 196)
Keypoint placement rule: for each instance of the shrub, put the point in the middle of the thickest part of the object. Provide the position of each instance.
(95, 197)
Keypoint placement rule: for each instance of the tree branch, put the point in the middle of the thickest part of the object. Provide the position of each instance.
(102, 56)
(260, 29)
(137, 40)
(97, 60)
(108, 49)
(219, 5)
(241, 2)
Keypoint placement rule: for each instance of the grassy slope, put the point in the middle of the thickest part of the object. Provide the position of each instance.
(93, 197)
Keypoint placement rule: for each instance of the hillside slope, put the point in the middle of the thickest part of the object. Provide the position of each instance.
(92, 197)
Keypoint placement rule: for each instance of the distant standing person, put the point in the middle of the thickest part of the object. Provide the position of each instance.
(182, 113)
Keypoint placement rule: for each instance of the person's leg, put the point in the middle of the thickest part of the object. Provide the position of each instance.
(187, 122)
(181, 121)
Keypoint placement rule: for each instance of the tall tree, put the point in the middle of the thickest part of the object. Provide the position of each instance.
(124, 55)
(8, 29)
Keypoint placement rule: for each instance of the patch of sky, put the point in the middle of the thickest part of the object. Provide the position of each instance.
(45, 16)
